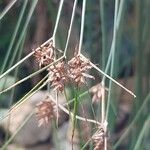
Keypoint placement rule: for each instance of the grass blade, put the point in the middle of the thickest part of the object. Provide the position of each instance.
(133, 121)
(14, 35)
(8, 7)
(139, 140)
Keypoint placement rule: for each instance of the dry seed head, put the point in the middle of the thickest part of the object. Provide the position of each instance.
(45, 54)
(97, 92)
(45, 111)
(78, 66)
(98, 139)
(58, 75)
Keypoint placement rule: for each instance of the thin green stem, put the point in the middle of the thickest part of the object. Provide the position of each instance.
(7, 8)
(57, 19)
(13, 90)
(25, 58)
(26, 97)
(113, 57)
(55, 136)
(70, 27)
(31, 92)
(14, 35)
(113, 80)
(65, 93)
(93, 112)
(120, 12)
(72, 115)
(32, 8)
(31, 75)
(17, 64)
(104, 33)
(103, 104)
(80, 96)
(75, 109)
(82, 26)
(133, 121)
(118, 21)
(140, 137)
(86, 144)
(21, 37)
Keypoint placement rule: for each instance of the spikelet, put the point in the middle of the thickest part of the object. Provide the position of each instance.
(97, 92)
(45, 111)
(45, 54)
(78, 66)
(98, 139)
(58, 76)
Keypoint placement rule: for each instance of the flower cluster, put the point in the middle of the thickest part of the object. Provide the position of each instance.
(45, 111)
(58, 75)
(78, 66)
(61, 72)
(75, 70)
(45, 54)
(98, 139)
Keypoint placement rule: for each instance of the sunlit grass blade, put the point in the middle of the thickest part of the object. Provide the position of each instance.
(113, 49)
(82, 26)
(117, 24)
(30, 76)
(17, 64)
(70, 27)
(26, 97)
(7, 8)
(57, 19)
(140, 137)
(13, 90)
(113, 80)
(85, 145)
(72, 115)
(14, 35)
(20, 39)
(31, 93)
(16, 49)
(75, 109)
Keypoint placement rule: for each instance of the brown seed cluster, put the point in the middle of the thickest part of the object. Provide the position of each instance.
(78, 67)
(45, 54)
(58, 76)
(98, 139)
(75, 70)
(45, 111)
(97, 92)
